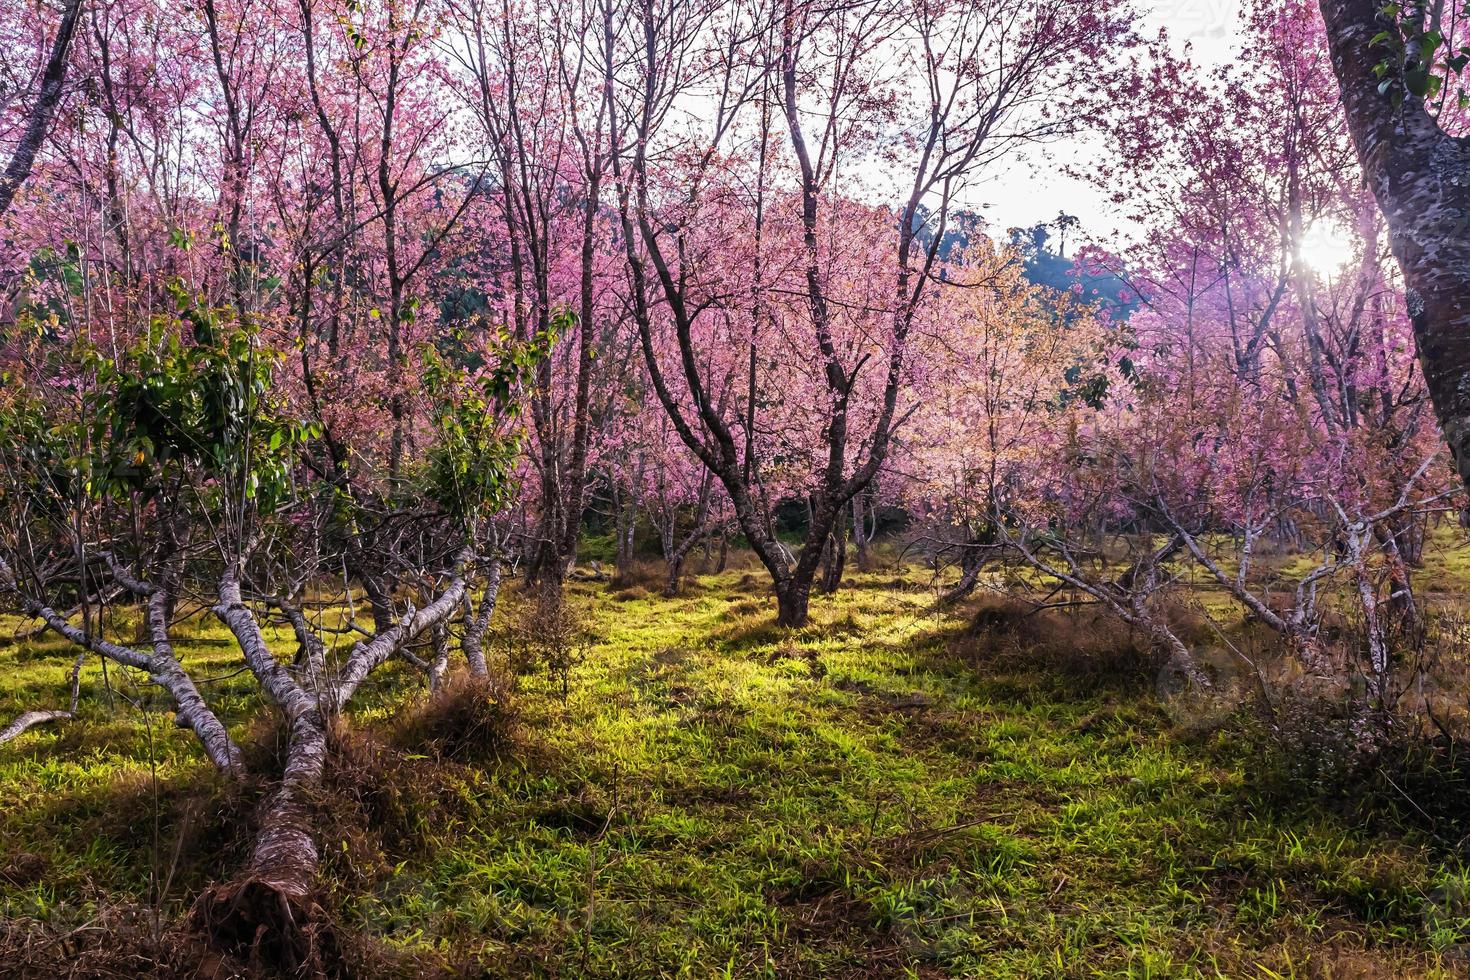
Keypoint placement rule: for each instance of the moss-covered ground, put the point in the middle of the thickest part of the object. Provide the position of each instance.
(719, 797)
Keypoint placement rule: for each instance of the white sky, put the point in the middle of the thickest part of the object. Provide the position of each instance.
(1025, 190)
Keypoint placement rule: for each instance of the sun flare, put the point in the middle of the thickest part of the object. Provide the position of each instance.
(1327, 247)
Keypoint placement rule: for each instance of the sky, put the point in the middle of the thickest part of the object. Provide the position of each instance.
(1024, 190)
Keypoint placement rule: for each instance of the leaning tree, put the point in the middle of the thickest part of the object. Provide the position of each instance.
(38, 106)
(164, 476)
(1399, 67)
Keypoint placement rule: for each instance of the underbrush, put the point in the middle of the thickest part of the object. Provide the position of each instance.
(123, 943)
(1076, 646)
(1397, 763)
(645, 574)
(469, 719)
(1394, 773)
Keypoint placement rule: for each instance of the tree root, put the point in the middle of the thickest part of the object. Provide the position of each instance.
(269, 927)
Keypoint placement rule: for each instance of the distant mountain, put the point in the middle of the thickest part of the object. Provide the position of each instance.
(1047, 268)
(1042, 265)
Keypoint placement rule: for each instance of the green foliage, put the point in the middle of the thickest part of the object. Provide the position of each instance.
(37, 450)
(1419, 60)
(42, 311)
(170, 406)
(473, 414)
(190, 400)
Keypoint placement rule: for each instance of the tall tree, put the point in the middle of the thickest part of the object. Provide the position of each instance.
(971, 82)
(533, 81)
(1419, 171)
(42, 107)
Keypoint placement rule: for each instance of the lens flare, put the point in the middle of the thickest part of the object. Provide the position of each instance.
(1327, 248)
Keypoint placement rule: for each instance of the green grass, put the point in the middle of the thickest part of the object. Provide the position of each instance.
(718, 797)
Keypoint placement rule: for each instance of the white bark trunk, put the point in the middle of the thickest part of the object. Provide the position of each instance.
(473, 641)
(190, 710)
(29, 720)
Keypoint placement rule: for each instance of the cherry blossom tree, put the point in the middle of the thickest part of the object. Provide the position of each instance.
(970, 82)
(1277, 395)
(254, 354)
(534, 80)
(35, 107)
(1006, 363)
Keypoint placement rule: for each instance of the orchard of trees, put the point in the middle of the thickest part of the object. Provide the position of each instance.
(339, 320)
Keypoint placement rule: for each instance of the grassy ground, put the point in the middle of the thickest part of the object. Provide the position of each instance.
(717, 797)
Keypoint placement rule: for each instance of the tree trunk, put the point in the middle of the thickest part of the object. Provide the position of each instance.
(792, 599)
(970, 565)
(1420, 177)
(285, 855)
(439, 666)
(676, 574)
(267, 916)
(43, 109)
(29, 719)
(192, 713)
(972, 562)
(473, 641)
(861, 538)
(190, 710)
(1401, 606)
(834, 561)
(627, 520)
(625, 509)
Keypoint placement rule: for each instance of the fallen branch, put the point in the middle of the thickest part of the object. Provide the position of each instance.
(29, 720)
